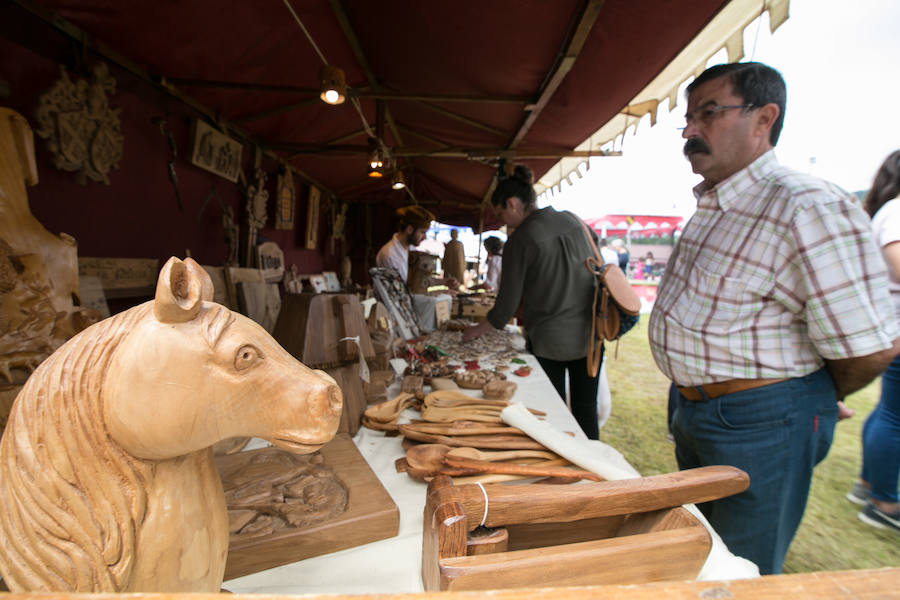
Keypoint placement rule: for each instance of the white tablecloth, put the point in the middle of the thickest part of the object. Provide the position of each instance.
(393, 565)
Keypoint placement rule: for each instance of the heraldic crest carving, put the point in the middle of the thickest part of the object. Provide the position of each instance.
(82, 131)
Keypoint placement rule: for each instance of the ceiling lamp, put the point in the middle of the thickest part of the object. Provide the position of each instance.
(375, 156)
(332, 84)
(397, 181)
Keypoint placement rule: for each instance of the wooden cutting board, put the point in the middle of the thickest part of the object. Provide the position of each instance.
(371, 515)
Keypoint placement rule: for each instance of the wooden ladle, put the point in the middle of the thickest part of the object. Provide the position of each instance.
(430, 458)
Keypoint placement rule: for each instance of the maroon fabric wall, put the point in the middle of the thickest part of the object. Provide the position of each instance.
(137, 215)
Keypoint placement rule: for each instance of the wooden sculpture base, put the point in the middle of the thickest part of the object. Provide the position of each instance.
(371, 515)
(629, 531)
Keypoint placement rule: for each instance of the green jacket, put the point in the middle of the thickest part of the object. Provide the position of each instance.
(543, 269)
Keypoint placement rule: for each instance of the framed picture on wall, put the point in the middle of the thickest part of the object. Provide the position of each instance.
(312, 218)
(331, 281)
(318, 283)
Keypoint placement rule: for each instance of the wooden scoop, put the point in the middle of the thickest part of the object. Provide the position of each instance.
(513, 469)
(385, 412)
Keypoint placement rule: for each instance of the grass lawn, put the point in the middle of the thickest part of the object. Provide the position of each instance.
(830, 537)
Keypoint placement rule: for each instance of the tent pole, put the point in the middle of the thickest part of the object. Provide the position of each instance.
(480, 233)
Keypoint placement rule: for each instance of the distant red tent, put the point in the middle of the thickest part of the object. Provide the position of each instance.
(641, 226)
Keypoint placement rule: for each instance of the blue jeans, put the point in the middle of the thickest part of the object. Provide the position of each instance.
(777, 434)
(881, 439)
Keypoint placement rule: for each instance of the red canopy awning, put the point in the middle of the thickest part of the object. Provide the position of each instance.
(640, 226)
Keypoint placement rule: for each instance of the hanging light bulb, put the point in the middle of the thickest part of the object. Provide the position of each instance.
(332, 84)
(375, 156)
(397, 181)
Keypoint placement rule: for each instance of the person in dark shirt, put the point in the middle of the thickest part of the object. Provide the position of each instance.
(543, 269)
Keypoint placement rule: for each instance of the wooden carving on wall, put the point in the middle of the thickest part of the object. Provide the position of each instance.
(215, 151)
(232, 235)
(38, 270)
(257, 198)
(284, 211)
(107, 479)
(312, 218)
(82, 131)
(338, 223)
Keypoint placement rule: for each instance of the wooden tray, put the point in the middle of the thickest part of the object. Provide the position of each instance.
(628, 531)
(371, 515)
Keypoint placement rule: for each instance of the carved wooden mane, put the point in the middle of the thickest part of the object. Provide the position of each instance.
(82, 535)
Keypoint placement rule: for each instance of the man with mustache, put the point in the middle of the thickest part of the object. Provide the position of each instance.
(773, 307)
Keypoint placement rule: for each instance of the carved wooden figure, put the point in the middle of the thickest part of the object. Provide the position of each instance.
(38, 270)
(107, 480)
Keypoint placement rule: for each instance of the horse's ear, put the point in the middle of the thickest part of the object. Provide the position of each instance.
(206, 284)
(179, 292)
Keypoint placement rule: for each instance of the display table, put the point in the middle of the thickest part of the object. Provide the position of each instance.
(392, 565)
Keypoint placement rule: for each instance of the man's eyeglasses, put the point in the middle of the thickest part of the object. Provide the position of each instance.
(706, 114)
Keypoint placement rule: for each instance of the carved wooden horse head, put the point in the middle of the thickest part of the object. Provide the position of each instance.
(106, 476)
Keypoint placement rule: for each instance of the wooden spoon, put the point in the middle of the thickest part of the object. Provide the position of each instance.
(503, 455)
(462, 428)
(512, 469)
(429, 458)
(448, 415)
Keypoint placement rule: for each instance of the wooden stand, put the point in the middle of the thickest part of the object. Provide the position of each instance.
(371, 515)
(628, 531)
(312, 326)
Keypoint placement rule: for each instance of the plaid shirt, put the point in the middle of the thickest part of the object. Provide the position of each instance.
(775, 272)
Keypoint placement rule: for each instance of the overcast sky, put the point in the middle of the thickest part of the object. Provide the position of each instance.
(841, 63)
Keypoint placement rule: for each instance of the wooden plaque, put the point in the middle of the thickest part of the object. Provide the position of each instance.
(270, 260)
(215, 152)
(284, 201)
(371, 515)
(331, 281)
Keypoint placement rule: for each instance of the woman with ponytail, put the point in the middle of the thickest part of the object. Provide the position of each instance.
(543, 270)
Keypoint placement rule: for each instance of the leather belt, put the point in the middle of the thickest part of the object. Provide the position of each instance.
(714, 390)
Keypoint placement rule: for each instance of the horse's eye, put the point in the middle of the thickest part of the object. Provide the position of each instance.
(246, 357)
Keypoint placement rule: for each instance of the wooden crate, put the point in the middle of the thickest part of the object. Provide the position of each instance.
(628, 531)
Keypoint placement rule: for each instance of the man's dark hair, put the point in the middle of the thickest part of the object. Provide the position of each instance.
(886, 185)
(756, 83)
(494, 245)
(519, 184)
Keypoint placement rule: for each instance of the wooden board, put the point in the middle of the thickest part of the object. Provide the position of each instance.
(353, 390)
(260, 301)
(235, 275)
(823, 585)
(90, 291)
(371, 515)
(310, 327)
(122, 277)
(220, 286)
